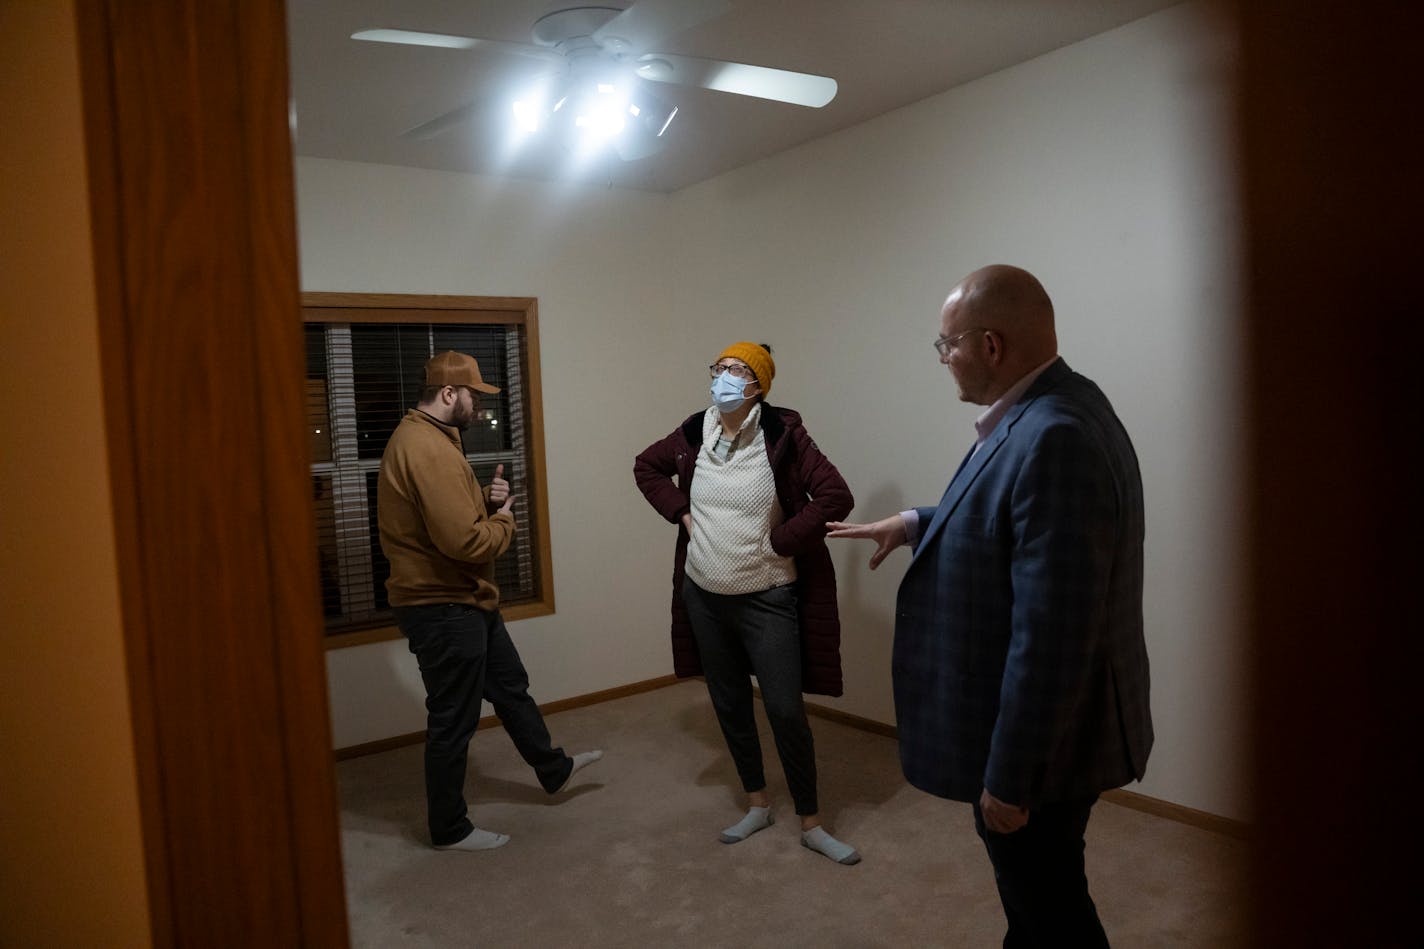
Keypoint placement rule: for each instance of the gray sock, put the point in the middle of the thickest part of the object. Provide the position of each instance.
(477, 840)
(757, 818)
(580, 760)
(818, 840)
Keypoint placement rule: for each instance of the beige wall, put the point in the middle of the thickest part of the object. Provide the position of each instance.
(1101, 166)
(71, 873)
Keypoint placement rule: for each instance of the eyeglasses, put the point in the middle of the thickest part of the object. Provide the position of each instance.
(736, 369)
(945, 343)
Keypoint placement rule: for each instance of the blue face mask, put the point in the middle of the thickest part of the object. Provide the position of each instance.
(727, 392)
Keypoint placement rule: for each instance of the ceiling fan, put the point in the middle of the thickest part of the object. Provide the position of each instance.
(599, 58)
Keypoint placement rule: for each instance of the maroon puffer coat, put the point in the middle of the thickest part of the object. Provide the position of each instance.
(811, 492)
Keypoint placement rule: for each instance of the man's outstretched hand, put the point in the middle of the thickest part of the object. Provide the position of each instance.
(888, 534)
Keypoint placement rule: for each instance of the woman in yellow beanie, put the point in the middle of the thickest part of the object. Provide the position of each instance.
(754, 591)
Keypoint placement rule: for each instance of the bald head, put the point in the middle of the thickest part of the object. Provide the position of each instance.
(1011, 300)
(1006, 319)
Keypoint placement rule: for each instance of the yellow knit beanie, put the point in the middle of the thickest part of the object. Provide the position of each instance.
(757, 359)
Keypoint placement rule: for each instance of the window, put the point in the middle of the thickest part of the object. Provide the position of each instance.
(366, 355)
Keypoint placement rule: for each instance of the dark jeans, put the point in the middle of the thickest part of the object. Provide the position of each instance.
(1039, 871)
(466, 655)
(756, 634)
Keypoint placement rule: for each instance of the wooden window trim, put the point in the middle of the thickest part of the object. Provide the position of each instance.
(329, 307)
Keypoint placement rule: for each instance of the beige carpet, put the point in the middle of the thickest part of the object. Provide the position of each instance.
(629, 855)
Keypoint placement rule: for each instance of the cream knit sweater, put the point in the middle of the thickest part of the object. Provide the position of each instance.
(734, 508)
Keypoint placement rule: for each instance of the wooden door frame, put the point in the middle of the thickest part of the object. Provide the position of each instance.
(194, 238)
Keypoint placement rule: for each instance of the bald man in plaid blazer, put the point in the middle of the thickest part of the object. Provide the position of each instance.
(1020, 671)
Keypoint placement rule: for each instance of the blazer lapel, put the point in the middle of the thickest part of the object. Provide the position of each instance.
(970, 470)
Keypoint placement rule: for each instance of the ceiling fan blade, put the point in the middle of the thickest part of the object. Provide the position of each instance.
(534, 89)
(648, 22)
(449, 41)
(779, 85)
(443, 123)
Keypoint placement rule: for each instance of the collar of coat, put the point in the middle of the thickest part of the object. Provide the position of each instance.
(773, 424)
(445, 428)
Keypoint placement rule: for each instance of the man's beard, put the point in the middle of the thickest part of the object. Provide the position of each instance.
(463, 418)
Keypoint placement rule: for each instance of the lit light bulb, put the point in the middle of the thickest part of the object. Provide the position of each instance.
(601, 113)
(526, 116)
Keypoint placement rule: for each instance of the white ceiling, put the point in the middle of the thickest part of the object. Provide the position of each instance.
(353, 99)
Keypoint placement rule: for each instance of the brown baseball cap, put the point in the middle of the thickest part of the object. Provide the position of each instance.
(456, 369)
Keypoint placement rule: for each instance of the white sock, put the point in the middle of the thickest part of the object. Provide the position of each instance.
(582, 759)
(757, 819)
(477, 840)
(818, 840)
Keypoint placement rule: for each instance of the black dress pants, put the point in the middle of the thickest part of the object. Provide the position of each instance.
(1042, 884)
(465, 656)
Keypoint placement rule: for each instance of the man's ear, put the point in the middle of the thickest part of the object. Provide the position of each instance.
(996, 346)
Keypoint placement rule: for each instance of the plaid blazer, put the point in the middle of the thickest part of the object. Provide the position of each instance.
(1019, 663)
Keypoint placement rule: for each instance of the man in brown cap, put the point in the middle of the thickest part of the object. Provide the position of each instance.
(442, 534)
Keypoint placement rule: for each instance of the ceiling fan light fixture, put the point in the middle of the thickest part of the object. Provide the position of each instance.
(600, 110)
(650, 114)
(590, 112)
(599, 125)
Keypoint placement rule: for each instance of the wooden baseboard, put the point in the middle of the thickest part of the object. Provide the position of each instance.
(376, 747)
(853, 721)
(1177, 812)
(593, 698)
(843, 718)
(490, 721)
